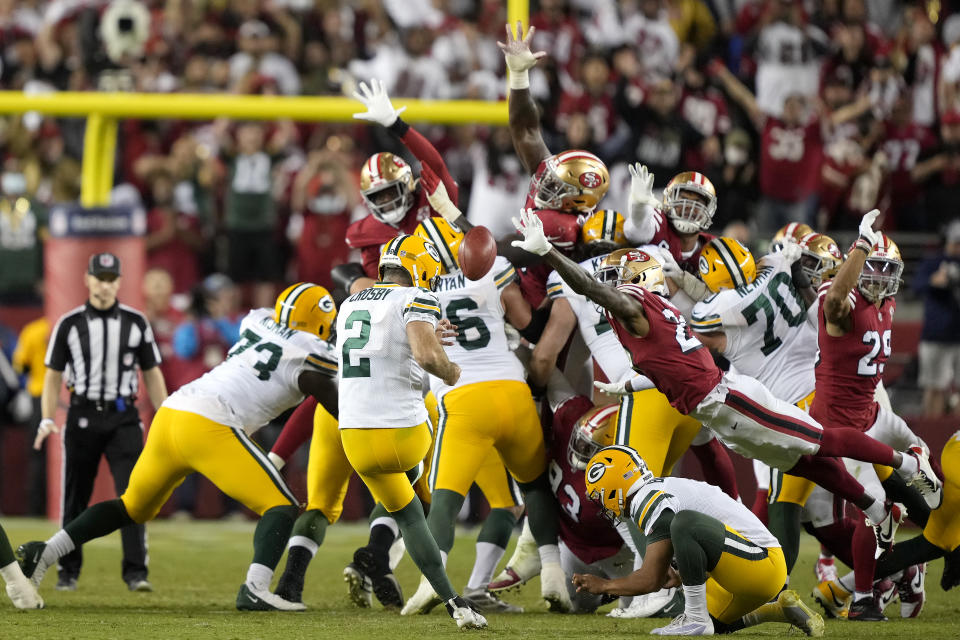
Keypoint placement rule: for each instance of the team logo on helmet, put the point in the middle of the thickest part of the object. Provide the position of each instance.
(432, 250)
(596, 472)
(590, 180)
(703, 265)
(637, 254)
(326, 304)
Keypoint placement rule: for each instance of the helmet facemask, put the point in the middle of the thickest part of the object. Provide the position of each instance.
(880, 278)
(691, 209)
(389, 203)
(550, 190)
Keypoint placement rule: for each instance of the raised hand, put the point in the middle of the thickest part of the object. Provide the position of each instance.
(437, 195)
(866, 229)
(377, 102)
(516, 51)
(531, 228)
(641, 185)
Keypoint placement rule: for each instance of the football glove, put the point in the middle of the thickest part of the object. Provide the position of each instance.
(377, 102)
(519, 58)
(641, 186)
(868, 237)
(531, 228)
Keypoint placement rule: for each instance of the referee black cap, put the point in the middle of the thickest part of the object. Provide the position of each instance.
(104, 266)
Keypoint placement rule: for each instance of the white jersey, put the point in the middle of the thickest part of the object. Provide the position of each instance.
(594, 328)
(475, 307)
(381, 385)
(259, 379)
(771, 335)
(684, 494)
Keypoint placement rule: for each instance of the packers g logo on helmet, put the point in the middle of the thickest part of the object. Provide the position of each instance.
(447, 239)
(306, 307)
(418, 257)
(613, 475)
(726, 264)
(603, 228)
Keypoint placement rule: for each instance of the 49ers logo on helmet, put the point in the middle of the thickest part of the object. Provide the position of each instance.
(636, 255)
(590, 180)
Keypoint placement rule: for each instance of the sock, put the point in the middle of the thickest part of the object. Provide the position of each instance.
(59, 545)
(549, 553)
(830, 474)
(497, 528)
(543, 511)
(11, 573)
(259, 577)
(908, 466)
(423, 548)
(760, 507)
(698, 543)
(271, 535)
(876, 512)
(717, 466)
(6, 551)
(383, 532)
(864, 557)
(524, 541)
(311, 525)
(862, 595)
(444, 505)
(897, 490)
(825, 556)
(770, 612)
(847, 581)
(488, 556)
(847, 442)
(783, 521)
(98, 520)
(837, 537)
(695, 596)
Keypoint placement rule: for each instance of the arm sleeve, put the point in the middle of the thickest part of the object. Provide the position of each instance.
(422, 306)
(642, 223)
(427, 154)
(297, 430)
(148, 354)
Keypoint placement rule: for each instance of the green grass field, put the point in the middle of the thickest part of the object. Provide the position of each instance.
(197, 567)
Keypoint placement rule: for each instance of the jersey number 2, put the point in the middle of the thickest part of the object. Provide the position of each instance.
(868, 365)
(362, 368)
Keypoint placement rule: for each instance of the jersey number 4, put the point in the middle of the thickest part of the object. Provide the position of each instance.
(868, 365)
(264, 367)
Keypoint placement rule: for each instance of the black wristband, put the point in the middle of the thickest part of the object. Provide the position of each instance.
(538, 322)
(344, 275)
(399, 128)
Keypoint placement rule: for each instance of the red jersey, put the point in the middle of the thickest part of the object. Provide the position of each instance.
(667, 238)
(904, 144)
(586, 533)
(670, 355)
(369, 234)
(790, 160)
(849, 367)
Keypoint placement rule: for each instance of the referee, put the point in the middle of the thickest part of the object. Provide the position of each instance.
(98, 346)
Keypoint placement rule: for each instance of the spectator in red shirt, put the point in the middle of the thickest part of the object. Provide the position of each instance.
(559, 35)
(173, 237)
(593, 98)
(904, 142)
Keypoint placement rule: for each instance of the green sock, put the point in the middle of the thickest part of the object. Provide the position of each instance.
(444, 507)
(311, 524)
(497, 528)
(783, 521)
(98, 520)
(697, 545)
(423, 548)
(6, 552)
(543, 511)
(272, 534)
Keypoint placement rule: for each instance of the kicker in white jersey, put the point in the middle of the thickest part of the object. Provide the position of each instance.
(259, 379)
(381, 385)
(476, 308)
(770, 334)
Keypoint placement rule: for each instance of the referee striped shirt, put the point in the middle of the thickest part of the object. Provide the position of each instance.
(99, 351)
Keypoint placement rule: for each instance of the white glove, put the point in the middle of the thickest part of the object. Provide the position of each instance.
(612, 388)
(442, 204)
(866, 228)
(377, 102)
(46, 427)
(531, 228)
(790, 250)
(641, 186)
(519, 58)
(277, 461)
(691, 284)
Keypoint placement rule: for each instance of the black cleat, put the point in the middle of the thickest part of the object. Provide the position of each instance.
(376, 565)
(866, 610)
(951, 571)
(290, 587)
(30, 557)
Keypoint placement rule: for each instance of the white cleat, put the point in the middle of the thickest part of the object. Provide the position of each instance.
(423, 601)
(553, 588)
(251, 598)
(644, 606)
(464, 615)
(684, 626)
(885, 531)
(800, 615)
(523, 565)
(925, 480)
(23, 594)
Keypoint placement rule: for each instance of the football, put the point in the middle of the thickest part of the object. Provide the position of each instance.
(477, 252)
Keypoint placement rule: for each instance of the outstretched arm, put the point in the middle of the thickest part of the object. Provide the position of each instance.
(652, 576)
(836, 305)
(524, 115)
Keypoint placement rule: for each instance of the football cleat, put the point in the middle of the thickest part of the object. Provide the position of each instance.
(925, 480)
(910, 588)
(866, 610)
(553, 588)
(799, 614)
(423, 601)
(833, 598)
(951, 570)
(30, 557)
(684, 626)
(485, 602)
(65, 583)
(23, 594)
(649, 605)
(141, 585)
(250, 598)
(886, 530)
(826, 570)
(523, 565)
(885, 592)
(359, 586)
(376, 565)
(464, 615)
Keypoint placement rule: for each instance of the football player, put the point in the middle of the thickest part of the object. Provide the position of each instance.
(387, 336)
(488, 408)
(743, 412)
(855, 321)
(730, 566)
(396, 201)
(21, 591)
(205, 427)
